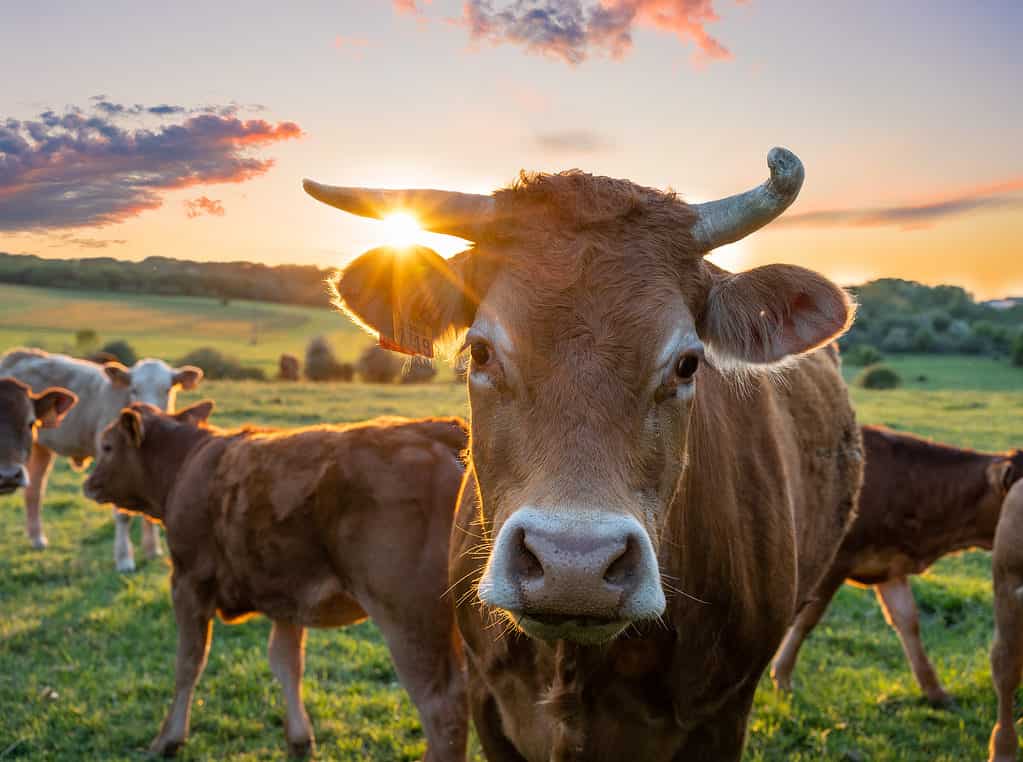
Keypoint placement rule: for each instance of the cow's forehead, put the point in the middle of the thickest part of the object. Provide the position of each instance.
(152, 373)
(15, 404)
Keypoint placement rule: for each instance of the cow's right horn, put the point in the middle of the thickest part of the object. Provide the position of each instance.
(461, 214)
(730, 219)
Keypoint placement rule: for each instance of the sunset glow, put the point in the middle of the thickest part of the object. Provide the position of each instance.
(401, 230)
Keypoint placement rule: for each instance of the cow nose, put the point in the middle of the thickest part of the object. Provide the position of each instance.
(574, 564)
(13, 477)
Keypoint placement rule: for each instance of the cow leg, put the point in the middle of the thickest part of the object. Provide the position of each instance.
(39, 464)
(427, 656)
(194, 615)
(286, 652)
(785, 660)
(124, 552)
(896, 599)
(1006, 665)
(151, 539)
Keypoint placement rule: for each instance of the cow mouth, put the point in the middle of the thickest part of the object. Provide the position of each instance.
(585, 630)
(8, 488)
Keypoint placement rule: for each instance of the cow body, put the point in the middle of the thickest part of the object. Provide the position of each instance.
(1007, 649)
(315, 528)
(22, 414)
(103, 390)
(920, 501)
(656, 484)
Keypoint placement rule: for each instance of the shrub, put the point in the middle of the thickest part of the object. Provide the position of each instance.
(288, 368)
(862, 355)
(419, 371)
(878, 376)
(378, 366)
(122, 350)
(897, 340)
(86, 339)
(924, 340)
(322, 365)
(217, 365)
(1017, 350)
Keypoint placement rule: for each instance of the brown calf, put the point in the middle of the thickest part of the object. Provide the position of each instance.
(320, 527)
(1007, 650)
(21, 413)
(920, 501)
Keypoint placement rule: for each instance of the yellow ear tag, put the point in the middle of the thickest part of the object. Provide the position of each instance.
(410, 333)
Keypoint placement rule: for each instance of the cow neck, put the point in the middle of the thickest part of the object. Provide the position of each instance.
(167, 446)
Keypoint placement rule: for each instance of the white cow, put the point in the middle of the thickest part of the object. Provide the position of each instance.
(103, 390)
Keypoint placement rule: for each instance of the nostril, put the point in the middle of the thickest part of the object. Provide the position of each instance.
(622, 569)
(525, 563)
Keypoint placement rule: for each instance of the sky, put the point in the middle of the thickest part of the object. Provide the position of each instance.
(184, 129)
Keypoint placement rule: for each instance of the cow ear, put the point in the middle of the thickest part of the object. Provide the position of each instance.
(118, 374)
(187, 377)
(410, 297)
(131, 423)
(772, 312)
(196, 414)
(1004, 474)
(52, 405)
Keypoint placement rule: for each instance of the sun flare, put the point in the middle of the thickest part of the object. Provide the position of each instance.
(401, 230)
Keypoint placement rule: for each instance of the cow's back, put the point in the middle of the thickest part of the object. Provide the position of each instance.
(96, 405)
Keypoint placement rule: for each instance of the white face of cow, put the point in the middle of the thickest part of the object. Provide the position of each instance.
(152, 382)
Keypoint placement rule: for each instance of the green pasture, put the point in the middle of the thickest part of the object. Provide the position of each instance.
(86, 655)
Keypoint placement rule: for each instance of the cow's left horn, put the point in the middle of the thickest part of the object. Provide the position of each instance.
(730, 219)
(460, 214)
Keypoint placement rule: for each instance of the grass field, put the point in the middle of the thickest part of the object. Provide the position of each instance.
(86, 655)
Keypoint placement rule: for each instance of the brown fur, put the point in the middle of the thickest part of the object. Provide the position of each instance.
(21, 414)
(318, 527)
(1007, 649)
(745, 491)
(920, 501)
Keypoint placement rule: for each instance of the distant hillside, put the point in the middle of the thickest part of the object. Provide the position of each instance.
(286, 284)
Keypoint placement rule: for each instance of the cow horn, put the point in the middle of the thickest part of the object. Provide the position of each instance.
(730, 219)
(460, 214)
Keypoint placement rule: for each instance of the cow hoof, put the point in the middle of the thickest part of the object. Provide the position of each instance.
(166, 747)
(943, 701)
(153, 552)
(125, 565)
(39, 542)
(782, 683)
(301, 749)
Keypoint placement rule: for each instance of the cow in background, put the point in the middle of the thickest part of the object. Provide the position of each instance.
(22, 413)
(920, 501)
(656, 482)
(317, 527)
(1007, 649)
(102, 390)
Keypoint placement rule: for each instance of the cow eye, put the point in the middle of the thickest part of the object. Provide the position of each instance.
(480, 352)
(107, 448)
(687, 366)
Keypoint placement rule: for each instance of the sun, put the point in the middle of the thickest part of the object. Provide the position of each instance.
(401, 230)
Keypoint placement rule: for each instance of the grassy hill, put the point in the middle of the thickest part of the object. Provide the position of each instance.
(86, 655)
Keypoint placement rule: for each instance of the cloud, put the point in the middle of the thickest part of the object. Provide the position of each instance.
(914, 216)
(571, 30)
(203, 205)
(86, 168)
(69, 239)
(574, 141)
(406, 6)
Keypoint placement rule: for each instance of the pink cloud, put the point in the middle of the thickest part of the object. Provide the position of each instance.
(203, 205)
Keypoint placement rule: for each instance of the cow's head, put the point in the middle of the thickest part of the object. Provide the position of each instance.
(21, 413)
(152, 382)
(123, 472)
(588, 312)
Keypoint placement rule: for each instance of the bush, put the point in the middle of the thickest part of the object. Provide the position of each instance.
(122, 350)
(322, 365)
(86, 339)
(1017, 350)
(897, 340)
(216, 365)
(862, 355)
(924, 340)
(878, 376)
(420, 371)
(288, 368)
(378, 366)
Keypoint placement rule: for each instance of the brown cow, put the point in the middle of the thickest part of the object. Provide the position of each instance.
(1007, 650)
(920, 501)
(656, 484)
(21, 413)
(318, 527)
